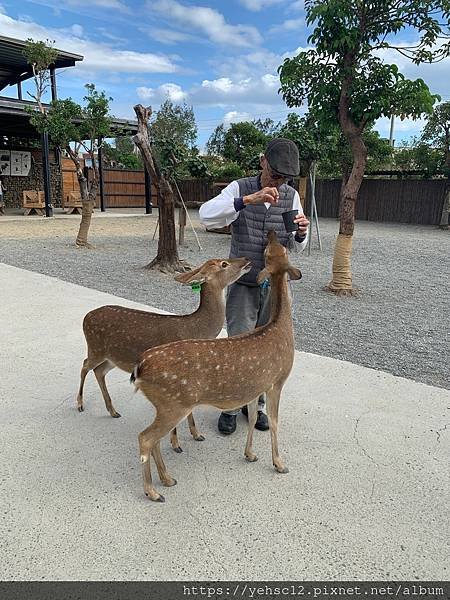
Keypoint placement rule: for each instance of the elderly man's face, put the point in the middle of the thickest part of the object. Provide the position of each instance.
(268, 177)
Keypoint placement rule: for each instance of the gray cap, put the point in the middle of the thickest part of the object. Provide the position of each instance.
(282, 156)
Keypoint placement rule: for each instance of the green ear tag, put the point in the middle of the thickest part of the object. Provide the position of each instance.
(196, 287)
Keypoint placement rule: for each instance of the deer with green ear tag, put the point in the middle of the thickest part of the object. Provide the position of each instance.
(116, 336)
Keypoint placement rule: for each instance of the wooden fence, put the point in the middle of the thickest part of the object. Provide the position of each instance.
(388, 200)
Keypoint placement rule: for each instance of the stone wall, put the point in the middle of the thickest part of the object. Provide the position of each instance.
(15, 186)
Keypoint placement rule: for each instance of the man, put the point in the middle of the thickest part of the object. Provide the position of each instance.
(253, 206)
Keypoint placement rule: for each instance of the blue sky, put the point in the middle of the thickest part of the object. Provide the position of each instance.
(221, 57)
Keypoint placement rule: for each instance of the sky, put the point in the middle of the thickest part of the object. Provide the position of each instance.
(220, 57)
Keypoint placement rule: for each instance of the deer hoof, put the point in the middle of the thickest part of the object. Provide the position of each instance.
(251, 458)
(80, 409)
(169, 482)
(157, 498)
(178, 449)
(199, 438)
(281, 469)
(116, 415)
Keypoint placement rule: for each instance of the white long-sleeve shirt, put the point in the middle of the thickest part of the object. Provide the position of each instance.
(219, 211)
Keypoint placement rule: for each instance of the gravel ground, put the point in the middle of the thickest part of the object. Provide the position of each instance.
(399, 323)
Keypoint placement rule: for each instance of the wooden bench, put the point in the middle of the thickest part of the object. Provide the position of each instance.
(33, 201)
(72, 203)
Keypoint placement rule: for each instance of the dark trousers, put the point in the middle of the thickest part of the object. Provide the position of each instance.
(247, 308)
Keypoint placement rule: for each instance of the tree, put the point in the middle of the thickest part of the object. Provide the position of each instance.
(417, 155)
(123, 152)
(243, 144)
(267, 126)
(336, 158)
(172, 124)
(437, 132)
(40, 55)
(345, 81)
(73, 127)
(167, 259)
(216, 142)
(67, 122)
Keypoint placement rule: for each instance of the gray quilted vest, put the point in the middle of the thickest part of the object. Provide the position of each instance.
(249, 230)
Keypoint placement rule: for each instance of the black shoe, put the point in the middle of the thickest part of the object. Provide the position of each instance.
(262, 422)
(227, 423)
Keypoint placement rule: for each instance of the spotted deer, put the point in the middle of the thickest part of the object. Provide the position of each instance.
(116, 336)
(225, 373)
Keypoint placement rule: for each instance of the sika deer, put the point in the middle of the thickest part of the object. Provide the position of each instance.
(226, 373)
(116, 336)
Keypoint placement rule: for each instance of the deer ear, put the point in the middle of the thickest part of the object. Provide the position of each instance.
(294, 273)
(264, 274)
(191, 277)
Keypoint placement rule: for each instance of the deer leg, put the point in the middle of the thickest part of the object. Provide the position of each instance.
(148, 438)
(100, 373)
(84, 371)
(88, 364)
(252, 416)
(174, 441)
(164, 476)
(273, 400)
(198, 437)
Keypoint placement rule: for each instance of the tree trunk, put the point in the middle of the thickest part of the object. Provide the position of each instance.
(341, 283)
(445, 208)
(88, 204)
(87, 194)
(167, 259)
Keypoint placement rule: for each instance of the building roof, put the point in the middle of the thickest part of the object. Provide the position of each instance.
(14, 66)
(15, 121)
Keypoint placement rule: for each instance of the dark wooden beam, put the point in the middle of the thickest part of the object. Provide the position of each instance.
(46, 174)
(53, 84)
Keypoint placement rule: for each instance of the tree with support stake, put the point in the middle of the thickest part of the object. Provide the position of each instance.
(345, 82)
(167, 259)
(72, 127)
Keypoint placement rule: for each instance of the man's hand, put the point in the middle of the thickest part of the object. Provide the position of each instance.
(267, 194)
(302, 223)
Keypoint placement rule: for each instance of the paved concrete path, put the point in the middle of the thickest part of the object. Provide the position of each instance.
(365, 497)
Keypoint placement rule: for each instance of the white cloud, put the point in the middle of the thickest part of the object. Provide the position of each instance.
(235, 116)
(254, 64)
(297, 5)
(222, 92)
(77, 30)
(98, 57)
(257, 5)
(168, 36)
(208, 21)
(168, 90)
(289, 25)
(109, 4)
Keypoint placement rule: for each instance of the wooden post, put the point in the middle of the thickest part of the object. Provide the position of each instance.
(46, 176)
(182, 224)
(100, 174)
(148, 192)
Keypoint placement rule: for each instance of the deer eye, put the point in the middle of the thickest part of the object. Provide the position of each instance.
(224, 264)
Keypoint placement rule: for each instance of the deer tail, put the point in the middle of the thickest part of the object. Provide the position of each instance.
(134, 377)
